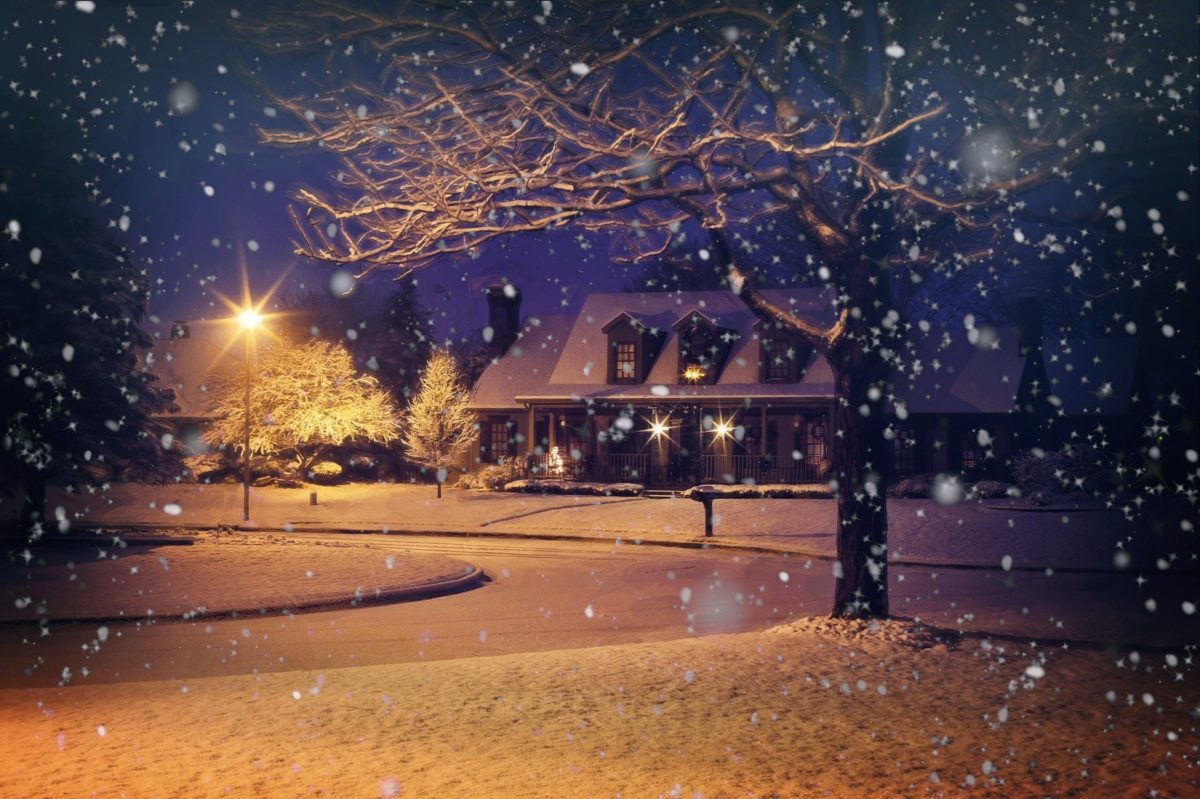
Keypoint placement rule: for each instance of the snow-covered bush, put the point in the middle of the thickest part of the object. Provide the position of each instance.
(208, 467)
(1063, 471)
(495, 477)
(917, 486)
(993, 489)
(535, 486)
(325, 472)
(763, 491)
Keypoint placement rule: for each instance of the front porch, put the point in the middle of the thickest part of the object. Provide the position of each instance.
(678, 446)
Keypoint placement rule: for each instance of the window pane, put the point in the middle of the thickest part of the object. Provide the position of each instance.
(626, 362)
(779, 362)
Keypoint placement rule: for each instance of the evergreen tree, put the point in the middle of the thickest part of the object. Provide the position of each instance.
(439, 425)
(405, 343)
(75, 402)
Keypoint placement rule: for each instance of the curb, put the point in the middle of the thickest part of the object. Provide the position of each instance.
(700, 543)
(406, 593)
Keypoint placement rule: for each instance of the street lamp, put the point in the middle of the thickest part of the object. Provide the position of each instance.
(248, 319)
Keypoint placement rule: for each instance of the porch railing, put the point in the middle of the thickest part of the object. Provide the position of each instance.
(633, 467)
(636, 467)
(742, 468)
(555, 466)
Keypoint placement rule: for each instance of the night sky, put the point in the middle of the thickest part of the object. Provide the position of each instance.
(158, 103)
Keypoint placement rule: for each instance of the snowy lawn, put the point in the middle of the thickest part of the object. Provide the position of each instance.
(972, 532)
(218, 574)
(817, 708)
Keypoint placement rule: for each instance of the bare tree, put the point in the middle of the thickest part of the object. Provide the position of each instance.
(439, 423)
(899, 145)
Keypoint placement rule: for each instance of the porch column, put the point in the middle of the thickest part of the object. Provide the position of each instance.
(530, 430)
(553, 433)
(762, 431)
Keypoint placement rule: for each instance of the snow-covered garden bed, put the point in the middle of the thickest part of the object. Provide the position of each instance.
(534, 486)
(763, 491)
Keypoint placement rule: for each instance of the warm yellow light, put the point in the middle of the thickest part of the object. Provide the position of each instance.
(249, 319)
(693, 373)
(721, 429)
(658, 428)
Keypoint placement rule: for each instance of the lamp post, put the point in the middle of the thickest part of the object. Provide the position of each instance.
(249, 319)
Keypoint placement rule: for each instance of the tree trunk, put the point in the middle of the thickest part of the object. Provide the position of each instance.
(439, 489)
(858, 461)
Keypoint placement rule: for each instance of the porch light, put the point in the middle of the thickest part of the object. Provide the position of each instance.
(693, 373)
(659, 427)
(722, 429)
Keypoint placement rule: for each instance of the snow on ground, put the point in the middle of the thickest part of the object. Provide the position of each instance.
(980, 533)
(815, 708)
(219, 573)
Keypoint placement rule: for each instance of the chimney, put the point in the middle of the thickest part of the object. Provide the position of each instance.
(1029, 323)
(179, 329)
(504, 317)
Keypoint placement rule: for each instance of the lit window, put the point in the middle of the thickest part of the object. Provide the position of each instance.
(626, 368)
(498, 441)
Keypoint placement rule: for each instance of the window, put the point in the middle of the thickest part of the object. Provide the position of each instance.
(779, 360)
(972, 455)
(626, 367)
(815, 446)
(499, 441)
(904, 451)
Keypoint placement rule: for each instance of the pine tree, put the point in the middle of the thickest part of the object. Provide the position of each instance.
(404, 343)
(304, 400)
(439, 425)
(76, 404)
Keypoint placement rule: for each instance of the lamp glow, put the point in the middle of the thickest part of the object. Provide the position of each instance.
(249, 319)
(658, 428)
(721, 429)
(693, 373)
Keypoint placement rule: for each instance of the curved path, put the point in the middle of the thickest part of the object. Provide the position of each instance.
(547, 595)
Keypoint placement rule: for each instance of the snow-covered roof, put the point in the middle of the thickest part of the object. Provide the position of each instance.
(527, 364)
(565, 358)
(961, 372)
(954, 374)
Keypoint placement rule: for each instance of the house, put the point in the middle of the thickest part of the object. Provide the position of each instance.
(967, 401)
(661, 388)
(677, 388)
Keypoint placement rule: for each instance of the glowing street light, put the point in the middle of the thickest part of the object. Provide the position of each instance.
(249, 319)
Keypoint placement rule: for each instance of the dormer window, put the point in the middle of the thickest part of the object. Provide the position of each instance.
(632, 347)
(783, 357)
(703, 346)
(779, 360)
(625, 370)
